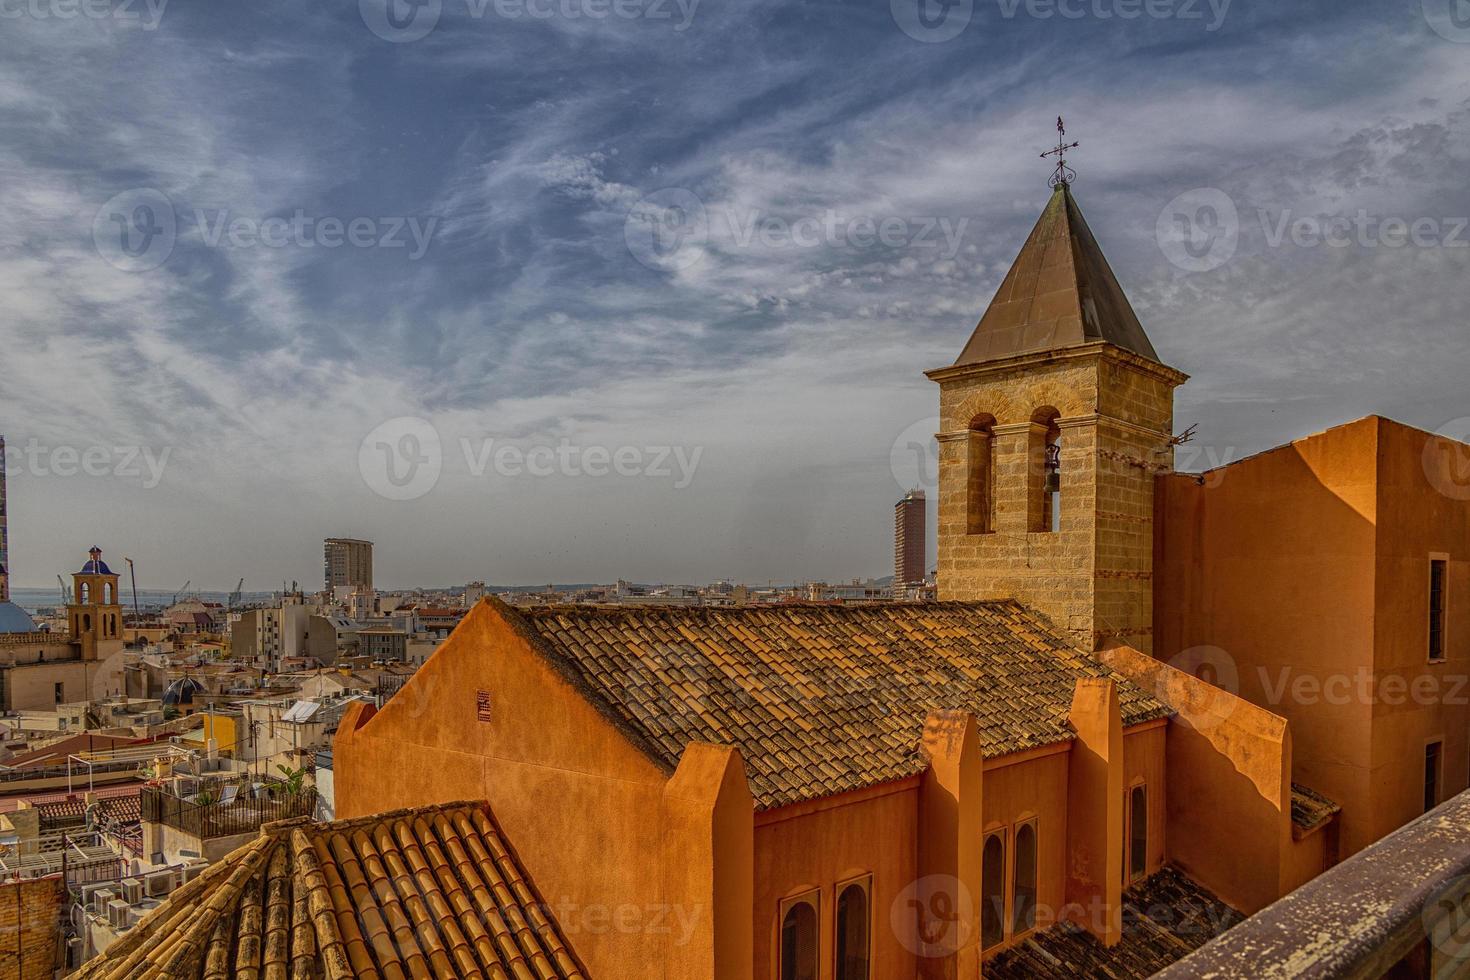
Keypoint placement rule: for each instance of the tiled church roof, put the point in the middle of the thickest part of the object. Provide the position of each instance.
(435, 891)
(821, 699)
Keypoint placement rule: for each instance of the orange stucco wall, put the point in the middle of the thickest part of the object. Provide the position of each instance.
(1021, 788)
(798, 849)
(581, 804)
(1264, 572)
(1419, 701)
(1306, 568)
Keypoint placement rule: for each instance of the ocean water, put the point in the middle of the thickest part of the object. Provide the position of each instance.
(33, 599)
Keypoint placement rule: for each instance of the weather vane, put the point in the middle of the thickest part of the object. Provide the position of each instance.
(1063, 174)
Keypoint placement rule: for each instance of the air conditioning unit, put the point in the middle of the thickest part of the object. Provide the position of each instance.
(74, 952)
(159, 883)
(88, 891)
(117, 914)
(192, 871)
(132, 891)
(100, 898)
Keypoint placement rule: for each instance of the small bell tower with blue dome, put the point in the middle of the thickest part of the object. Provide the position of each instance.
(95, 612)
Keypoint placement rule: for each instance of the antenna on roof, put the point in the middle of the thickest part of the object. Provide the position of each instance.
(1063, 175)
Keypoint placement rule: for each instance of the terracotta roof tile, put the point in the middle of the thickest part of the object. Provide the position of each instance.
(1165, 918)
(432, 892)
(821, 699)
(1309, 810)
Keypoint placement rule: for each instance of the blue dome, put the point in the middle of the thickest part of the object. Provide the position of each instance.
(182, 691)
(98, 567)
(14, 619)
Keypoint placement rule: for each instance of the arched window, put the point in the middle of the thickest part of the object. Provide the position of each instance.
(1044, 476)
(107, 594)
(1137, 833)
(85, 595)
(980, 480)
(87, 623)
(799, 939)
(1023, 901)
(854, 949)
(993, 889)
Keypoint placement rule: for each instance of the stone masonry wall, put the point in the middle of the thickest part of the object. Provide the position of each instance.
(1093, 576)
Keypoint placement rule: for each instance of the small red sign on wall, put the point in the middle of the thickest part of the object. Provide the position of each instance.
(482, 705)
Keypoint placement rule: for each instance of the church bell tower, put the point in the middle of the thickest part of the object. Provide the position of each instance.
(95, 612)
(1056, 419)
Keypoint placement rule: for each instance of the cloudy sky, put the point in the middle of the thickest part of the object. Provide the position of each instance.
(536, 290)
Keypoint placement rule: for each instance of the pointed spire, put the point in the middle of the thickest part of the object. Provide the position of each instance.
(1060, 292)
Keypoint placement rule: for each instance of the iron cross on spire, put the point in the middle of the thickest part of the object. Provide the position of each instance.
(1063, 174)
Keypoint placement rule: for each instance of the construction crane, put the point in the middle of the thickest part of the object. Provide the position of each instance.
(65, 594)
(235, 596)
(132, 574)
(182, 589)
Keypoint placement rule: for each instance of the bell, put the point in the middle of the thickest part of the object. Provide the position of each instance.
(1053, 481)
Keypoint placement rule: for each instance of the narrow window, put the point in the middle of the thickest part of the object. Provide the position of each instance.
(1137, 833)
(1024, 900)
(993, 877)
(799, 940)
(980, 481)
(1044, 475)
(853, 945)
(1431, 775)
(1438, 568)
(60, 693)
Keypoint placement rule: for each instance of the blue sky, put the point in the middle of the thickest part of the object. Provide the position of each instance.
(722, 238)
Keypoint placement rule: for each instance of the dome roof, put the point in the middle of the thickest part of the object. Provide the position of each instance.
(95, 565)
(182, 691)
(14, 619)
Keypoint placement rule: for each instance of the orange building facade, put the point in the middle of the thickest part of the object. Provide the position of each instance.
(1322, 580)
(942, 790)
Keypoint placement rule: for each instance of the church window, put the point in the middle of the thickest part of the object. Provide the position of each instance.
(799, 938)
(1044, 480)
(60, 693)
(1432, 755)
(854, 945)
(993, 890)
(1137, 833)
(1023, 900)
(1438, 572)
(980, 481)
(86, 593)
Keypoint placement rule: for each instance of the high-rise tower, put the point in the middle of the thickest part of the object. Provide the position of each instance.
(910, 545)
(1055, 419)
(348, 562)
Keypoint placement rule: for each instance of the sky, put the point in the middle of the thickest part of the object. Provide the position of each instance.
(571, 290)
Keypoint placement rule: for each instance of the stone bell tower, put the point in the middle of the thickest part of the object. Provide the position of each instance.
(95, 612)
(1055, 419)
